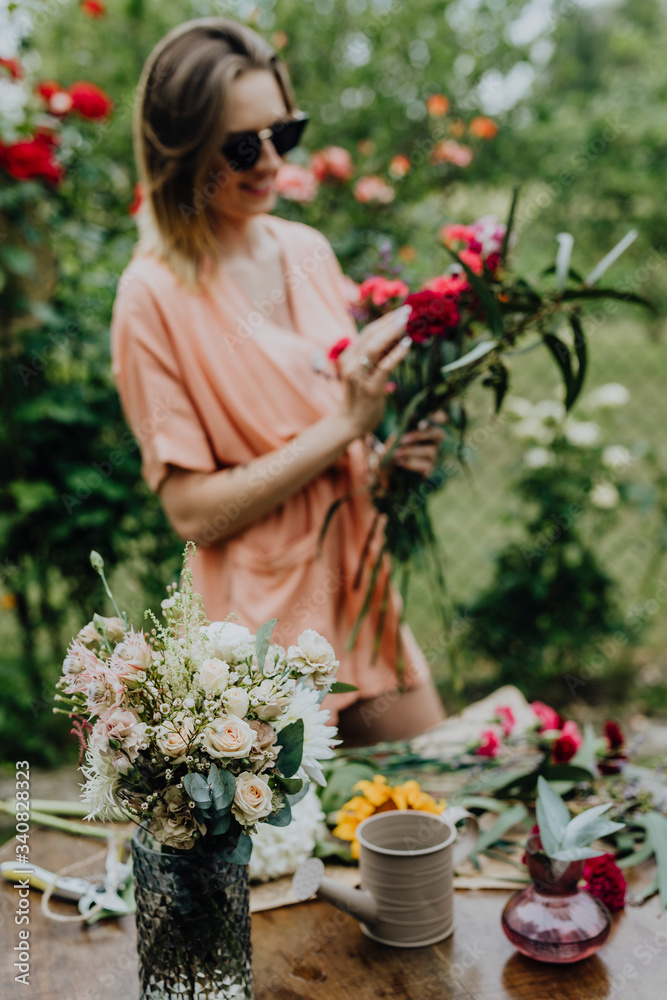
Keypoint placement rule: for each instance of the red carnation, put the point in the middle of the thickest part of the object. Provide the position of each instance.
(567, 743)
(433, 315)
(89, 100)
(338, 348)
(380, 290)
(13, 67)
(493, 261)
(614, 734)
(490, 744)
(605, 880)
(93, 8)
(32, 159)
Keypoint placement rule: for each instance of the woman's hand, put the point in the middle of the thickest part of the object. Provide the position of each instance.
(366, 365)
(418, 449)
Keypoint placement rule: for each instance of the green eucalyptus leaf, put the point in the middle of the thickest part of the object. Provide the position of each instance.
(291, 742)
(291, 785)
(553, 816)
(196, 787)
(656, 828)
(282, 816)
(575, 853)
(223, 787)
(339, 687)
(263, 640)
(219, 824)
(589, 826)
(240, 855)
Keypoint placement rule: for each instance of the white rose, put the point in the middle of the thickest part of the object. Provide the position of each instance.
(228, 736)
(615, 456)
(550, 409)
(582, 433)
(610, 395)
(175, 737)
(237, 701)
(223, 638)
(253, 799)
(313, 657)
(537, 458)
(605, 496)
(533, 428)
(214, 675)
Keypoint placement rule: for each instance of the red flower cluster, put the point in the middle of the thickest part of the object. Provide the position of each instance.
(569, 738)
(378, 290)
(85, 98)
(332, 164)
(433, 315)
(605, 880)
(32, 159)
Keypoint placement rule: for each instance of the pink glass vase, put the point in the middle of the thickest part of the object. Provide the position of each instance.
(552, 920)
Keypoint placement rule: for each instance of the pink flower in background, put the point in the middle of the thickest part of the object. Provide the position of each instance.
(548, 717)
(448, 284)
(505, 716)
(451, 151)
(399, 166)
(455, 232)
(332, 164)
(372, 188)
(567, 744)
(473, 260)
(380, 290)
(490, 744)
(296, 183)
(606, 881)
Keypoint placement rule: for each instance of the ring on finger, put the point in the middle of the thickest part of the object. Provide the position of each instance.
(365, 362)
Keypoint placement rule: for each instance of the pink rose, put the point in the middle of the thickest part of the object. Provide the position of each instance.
(547, 716)
(380, 290)
(372, 188)
(296, 183)
(505, 716)
(489, 744)
(332, 164)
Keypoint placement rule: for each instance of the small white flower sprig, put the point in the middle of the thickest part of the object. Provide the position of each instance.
(198, 730)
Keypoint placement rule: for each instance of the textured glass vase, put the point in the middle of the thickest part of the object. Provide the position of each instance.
(193, 924)
(552, 920)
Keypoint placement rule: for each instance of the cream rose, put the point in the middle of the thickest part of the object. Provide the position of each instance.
(228, 736)
(253, 799)
(175, 737)
(214, 675)
(237, 701)
(314, 658)
(224, 638)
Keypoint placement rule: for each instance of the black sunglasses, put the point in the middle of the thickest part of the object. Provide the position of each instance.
(244, 150)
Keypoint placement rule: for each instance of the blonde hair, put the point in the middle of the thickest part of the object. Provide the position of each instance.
(179, 127)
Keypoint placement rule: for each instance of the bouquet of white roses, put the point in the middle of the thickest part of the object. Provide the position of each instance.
(198, 731)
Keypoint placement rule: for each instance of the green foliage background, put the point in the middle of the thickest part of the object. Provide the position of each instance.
(587, 141)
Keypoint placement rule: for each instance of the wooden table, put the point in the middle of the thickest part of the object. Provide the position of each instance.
(313, 952)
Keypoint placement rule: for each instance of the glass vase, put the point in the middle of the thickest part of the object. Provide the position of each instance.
(552, 920)
(193, 924)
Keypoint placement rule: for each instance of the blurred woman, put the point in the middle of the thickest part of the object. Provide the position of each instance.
(221, 326)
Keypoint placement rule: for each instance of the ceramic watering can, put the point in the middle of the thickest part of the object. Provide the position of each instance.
(406, 864)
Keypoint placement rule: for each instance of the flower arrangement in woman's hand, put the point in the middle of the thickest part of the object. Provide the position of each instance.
(197, 730)
(478, 297)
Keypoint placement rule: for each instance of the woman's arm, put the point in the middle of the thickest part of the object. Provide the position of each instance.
(211, 507)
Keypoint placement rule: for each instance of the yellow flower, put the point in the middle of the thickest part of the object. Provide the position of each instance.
(378, 796)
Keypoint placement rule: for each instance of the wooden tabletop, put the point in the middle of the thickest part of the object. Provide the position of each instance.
(311, 951)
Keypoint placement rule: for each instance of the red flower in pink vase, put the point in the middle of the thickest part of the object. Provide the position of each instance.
(605, 880)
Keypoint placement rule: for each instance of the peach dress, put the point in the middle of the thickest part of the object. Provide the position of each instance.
(208, 381)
